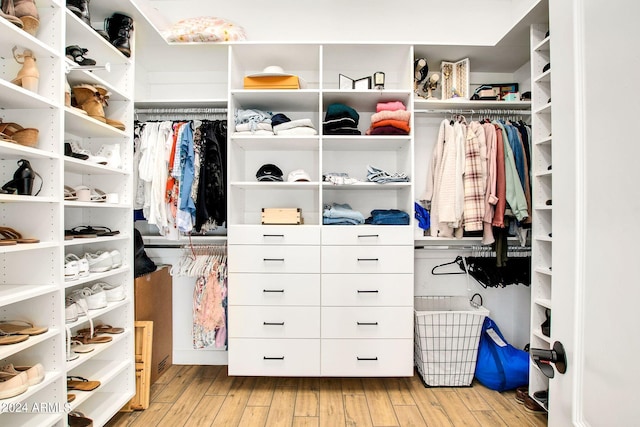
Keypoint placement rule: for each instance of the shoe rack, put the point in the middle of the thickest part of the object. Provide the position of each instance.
(32, 284)
(542, 240)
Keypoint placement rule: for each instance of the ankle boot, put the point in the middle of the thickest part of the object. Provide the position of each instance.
(111, 152)
(28, 13)
(119, 28)
(80, 8)
(22, 182)
(104, 97)
(88, 98)
(8, 12)
(28, 76)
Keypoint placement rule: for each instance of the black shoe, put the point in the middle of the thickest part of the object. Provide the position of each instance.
(80, 8)
(76, 54)
(22, 182)
(68, 151)
(119, 29)
(546, 325)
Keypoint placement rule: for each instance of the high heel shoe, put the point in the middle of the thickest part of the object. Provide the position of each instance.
(76, 54)
(28, 76)
(8, 12)
(28, 13)
(22, 182)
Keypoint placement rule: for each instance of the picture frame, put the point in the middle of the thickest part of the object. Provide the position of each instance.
(363, 83)
(345, 82)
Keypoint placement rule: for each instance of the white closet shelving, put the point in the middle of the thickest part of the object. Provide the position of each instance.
(33, 286)
(293, 289)
(542, 239)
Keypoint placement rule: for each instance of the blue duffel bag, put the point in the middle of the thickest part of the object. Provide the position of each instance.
(500, 365)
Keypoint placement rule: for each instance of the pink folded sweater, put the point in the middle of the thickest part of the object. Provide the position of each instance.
(393, 115)
(392, 106)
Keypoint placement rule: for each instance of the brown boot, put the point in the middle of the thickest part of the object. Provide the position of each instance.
(28, 13)
(88, 98)
(104, 96)
(28, 76)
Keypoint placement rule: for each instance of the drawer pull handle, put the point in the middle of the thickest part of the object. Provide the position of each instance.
(367, 358)
(273, 290)
(273, 323)
(367, 235)
(273, 259)
(368, 259)
(367, 292)
(273, 235)
(367, 323)
(272, 358)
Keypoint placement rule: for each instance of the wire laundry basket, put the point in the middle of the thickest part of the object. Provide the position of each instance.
(447, 332)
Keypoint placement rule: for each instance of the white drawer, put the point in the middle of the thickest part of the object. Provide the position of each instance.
(273, 322)
(273, 259)
(366, 289)
(367, 322)
(368, 235)
(274, 289)
(367, 259)
(367, 358)
(273, 357)
(274, 235)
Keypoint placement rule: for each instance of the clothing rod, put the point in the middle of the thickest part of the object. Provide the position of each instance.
(479, 111)
(180, 110)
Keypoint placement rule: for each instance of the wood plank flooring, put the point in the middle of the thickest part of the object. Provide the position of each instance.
(197, 396)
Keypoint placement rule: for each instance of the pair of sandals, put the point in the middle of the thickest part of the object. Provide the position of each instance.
(76, 54)
(9, 236)
(94, 194)
(90, 232)
(16, 331)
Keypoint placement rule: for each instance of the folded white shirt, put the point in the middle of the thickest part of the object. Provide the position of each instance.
(243, 127)
(294, 124)
(296, 131)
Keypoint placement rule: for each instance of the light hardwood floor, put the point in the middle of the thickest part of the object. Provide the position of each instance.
(206, 396)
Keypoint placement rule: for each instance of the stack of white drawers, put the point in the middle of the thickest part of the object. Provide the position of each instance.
(310, 302)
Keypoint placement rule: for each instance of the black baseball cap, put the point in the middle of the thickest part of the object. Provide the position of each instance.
(269, 172)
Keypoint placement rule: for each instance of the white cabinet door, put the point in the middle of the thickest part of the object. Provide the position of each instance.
(595, 293)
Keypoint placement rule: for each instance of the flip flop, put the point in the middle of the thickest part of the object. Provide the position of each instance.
(79, 347)
(70, 193)
(98, 230)
(12, 339)
(12, 235)
(105, 329)
(70, 397)
(99, 339)
(83, 384)
(21, 327)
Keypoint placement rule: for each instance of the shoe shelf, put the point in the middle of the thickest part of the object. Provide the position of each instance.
(94, 277)
(95, 205)
(15, 97)
(91, 241)
(104, 371)
(23, 247)
(85, 167)
(89, 359)
(14, 198)
(11, 294)
(11, 151)
(13, 349)
(80, 76)
(81, 125)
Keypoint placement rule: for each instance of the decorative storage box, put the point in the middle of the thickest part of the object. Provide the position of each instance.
(447, 333)
(455, 79)
(272, 216)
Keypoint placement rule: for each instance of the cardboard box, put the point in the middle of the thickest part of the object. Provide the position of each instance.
(287, 216)
(271, 82)
(153, 296)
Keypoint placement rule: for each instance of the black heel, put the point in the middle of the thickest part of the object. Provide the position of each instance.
(22, 182)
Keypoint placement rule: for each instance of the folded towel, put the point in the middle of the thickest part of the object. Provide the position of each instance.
(395, 123)
(395, 115)
(244, 127)
(392, 106)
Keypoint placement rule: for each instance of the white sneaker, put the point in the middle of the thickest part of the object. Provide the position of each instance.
(79, 298)
(111, 152)
(116, 258)
(96, 299)
(71, 270)
(99, 262)
(113, 292)
(79, 149)
(70, 311)
(83, 264)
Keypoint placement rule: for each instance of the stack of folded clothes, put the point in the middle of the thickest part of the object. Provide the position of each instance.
(341, 214)
(340, 119)
(388, 217)
(253, 122)
(339, 178)
(391, 118)
(283, 125)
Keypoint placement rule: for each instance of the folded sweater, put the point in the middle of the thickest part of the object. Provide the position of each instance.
(392, 106)
(388, 114)
(400, 124)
